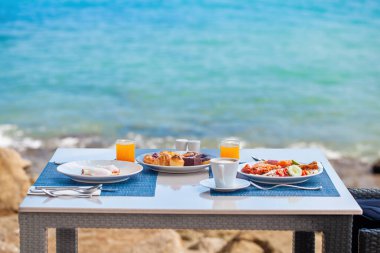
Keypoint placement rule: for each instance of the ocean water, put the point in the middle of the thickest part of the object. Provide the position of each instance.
(273, 73)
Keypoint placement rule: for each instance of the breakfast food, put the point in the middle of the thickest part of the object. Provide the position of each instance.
(107, 170)
(282, 168)
(171, 158)
(176, 160)
(192, 158)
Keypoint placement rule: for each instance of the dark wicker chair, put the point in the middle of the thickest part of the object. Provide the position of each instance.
(365, 233)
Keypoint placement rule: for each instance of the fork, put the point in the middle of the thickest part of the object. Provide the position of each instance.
(78, 188)
(80, 195)
(287, 185)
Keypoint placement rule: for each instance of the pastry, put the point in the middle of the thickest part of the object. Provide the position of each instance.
(205, 159)
(149, 159)
(192, 158)
(176, 160)
(164, 159)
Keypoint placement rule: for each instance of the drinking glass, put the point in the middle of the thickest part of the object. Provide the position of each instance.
(230, 148)
(125, 150)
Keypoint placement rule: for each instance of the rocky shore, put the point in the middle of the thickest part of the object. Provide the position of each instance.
(17, 174)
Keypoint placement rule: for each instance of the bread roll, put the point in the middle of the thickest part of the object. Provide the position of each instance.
(176, 160)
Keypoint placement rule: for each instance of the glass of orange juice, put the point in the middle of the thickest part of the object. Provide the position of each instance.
(230, 148)
(125, 150)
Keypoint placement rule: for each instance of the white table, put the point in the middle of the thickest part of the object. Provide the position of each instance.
(180, 202)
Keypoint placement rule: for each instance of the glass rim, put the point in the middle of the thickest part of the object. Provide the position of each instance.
(230, 140)
(125, 141)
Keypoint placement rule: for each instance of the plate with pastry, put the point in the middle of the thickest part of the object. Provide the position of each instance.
(99, 171)
(175, 161)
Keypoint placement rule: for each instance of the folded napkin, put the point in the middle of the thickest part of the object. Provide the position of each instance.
(66, 192)
(371, 208)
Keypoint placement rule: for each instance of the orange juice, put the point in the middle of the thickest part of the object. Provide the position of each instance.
(125, 150)
(230, 148)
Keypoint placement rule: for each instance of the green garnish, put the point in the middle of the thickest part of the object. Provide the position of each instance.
(295, 162)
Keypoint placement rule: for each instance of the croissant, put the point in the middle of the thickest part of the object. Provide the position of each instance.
(164, 159)
(148, 159)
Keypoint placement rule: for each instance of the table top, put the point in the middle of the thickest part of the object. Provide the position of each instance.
(182, 194)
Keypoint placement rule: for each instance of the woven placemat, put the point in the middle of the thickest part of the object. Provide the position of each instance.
(328, 189)
(142, 184)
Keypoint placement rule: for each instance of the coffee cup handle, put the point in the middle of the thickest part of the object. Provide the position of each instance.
(221, 168)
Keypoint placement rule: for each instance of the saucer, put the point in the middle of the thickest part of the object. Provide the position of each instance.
(239, 184)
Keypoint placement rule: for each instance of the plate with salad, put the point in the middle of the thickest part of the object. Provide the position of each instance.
(280, 171)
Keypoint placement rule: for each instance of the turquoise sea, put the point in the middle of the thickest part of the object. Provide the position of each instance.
(275, 73)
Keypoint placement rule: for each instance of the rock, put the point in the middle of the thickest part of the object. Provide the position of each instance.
(376, 167)
(245, 246)
(190, 238)
(212, 244)
(126, 241)
(270, 241)
(9, 234)
(14, 182)
(224, 234)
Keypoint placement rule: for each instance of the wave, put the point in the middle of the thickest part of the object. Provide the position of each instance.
(13, 137)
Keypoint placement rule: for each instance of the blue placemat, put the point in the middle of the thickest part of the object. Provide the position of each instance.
(142, 184)
(323, 179)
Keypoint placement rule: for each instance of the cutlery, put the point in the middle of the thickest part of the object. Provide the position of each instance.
(68, 187)
(53, 194)
(286, 185)
(79, 189)
(257, 159)
(55, 191)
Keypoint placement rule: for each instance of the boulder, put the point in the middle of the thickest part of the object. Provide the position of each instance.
(9, 234)
(125, 241)
(244, 247)
(14, 182)
(190, 238)
(270, 241)
(211, 244)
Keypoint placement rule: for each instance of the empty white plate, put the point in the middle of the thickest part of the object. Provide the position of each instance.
(74, 171)
(239, 184)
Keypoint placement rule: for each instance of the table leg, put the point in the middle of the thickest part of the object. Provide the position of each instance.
(337, 237)
(303, 242)
(67, 240)
(33, 236)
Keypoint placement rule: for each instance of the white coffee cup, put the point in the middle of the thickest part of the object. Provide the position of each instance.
(224, 171)
(181, 144)
(194, 145)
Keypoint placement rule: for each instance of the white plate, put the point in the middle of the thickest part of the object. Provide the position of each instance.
(239, 184)
(172, 169)
(74, 171)
(278, 180)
